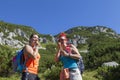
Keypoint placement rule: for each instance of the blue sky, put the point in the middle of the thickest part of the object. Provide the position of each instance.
(55, 16)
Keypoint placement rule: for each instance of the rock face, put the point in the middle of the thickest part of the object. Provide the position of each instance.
(111, 64)
(10, 39)
(79, 33)
(17, 37)
(21, 33)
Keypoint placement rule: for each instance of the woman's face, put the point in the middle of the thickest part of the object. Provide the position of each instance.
(34, 40)
(63, 41)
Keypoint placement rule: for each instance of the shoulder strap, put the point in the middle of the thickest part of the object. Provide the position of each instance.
(26, 59)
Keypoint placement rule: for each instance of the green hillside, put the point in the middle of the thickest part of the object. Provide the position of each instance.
(97, 45)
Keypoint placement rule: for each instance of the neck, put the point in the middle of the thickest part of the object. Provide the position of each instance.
(31, 45)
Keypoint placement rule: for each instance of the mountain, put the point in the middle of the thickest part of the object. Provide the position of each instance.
(85, 35)
(16, 36)
(97, 45)
(94, 30)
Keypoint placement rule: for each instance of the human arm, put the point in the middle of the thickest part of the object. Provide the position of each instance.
(32, 52)
(60, 52)
(75, 53)
(57, 55)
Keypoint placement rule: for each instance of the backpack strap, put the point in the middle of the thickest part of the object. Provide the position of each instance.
(26, 59)
(24, 65)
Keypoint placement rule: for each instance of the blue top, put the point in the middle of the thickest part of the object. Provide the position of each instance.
(68, 62)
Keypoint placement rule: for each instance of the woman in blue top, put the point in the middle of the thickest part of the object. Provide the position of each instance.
(68, 54)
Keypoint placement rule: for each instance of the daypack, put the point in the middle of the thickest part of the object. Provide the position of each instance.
(18, 61)
(81, 65)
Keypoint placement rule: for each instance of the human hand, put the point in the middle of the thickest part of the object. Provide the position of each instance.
(64, 53)
(59, 44)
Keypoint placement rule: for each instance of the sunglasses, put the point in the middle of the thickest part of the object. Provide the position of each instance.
(63, 39)
(35, 39)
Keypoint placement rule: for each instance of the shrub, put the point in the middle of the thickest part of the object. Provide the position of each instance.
(109, 73)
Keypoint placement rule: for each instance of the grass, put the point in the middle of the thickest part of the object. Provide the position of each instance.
(13, 77)
(88, 75)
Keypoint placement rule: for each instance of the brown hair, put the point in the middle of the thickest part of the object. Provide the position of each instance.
(32, 35)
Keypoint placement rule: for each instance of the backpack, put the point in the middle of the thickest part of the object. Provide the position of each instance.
(79, 62)
(81, 65)
(18, 61)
